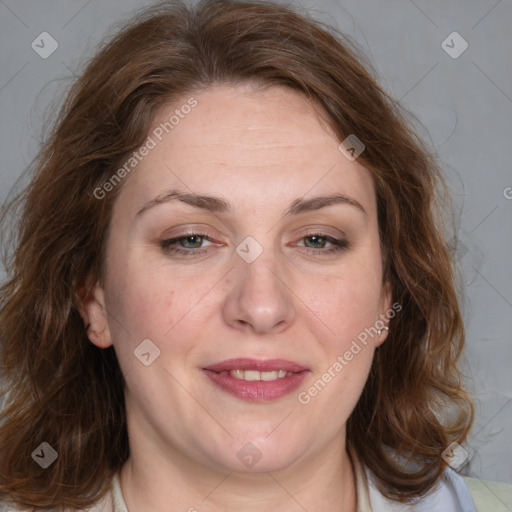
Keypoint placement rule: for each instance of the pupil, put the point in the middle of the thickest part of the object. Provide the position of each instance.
(316, 240)
(193, 240)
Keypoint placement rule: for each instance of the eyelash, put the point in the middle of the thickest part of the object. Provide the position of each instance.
(167, 245)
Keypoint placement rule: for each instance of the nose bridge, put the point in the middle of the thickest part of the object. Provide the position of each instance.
(261, 278)
(258, 299)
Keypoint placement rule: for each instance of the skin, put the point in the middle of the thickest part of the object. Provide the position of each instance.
(259, 150)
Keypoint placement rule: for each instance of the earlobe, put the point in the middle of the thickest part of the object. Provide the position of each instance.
(382, 334)
(94, 314)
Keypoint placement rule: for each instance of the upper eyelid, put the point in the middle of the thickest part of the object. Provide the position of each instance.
(308, 231)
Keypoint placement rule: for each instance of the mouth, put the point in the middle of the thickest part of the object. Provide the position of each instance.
(256, 380)
(255, 375)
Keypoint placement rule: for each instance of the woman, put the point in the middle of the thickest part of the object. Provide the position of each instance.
(230, 288)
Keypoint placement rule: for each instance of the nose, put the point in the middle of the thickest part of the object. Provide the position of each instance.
(259, 301)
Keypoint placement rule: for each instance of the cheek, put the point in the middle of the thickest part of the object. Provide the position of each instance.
(158, 304)
(349, 310)
(347, 305)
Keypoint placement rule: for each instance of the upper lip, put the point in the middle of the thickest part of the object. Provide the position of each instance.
(262, 365)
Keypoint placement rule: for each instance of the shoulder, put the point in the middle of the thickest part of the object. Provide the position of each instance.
(450, 495)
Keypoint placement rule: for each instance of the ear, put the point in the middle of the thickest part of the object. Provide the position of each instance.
(94, 314)
(386, 312)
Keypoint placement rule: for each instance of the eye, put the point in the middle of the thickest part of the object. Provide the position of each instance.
(187, 245)
(318, 243)
(195, 244)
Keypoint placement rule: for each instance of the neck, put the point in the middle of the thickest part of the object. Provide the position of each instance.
(153, 481)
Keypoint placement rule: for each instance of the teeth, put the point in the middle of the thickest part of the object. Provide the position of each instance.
(253, 375)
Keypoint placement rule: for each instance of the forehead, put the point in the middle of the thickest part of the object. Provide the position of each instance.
(251, 146)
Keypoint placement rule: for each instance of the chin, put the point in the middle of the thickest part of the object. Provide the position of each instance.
(258, 456)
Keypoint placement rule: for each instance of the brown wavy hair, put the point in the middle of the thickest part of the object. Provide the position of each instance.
(57, 387)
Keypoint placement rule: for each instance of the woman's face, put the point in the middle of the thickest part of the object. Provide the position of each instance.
(244, 241)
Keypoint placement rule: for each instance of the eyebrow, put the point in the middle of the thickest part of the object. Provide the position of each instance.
(219, 205)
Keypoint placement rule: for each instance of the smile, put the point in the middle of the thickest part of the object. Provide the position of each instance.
(256, 380)
(254, 375)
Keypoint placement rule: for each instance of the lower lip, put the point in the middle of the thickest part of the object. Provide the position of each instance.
(258, 390)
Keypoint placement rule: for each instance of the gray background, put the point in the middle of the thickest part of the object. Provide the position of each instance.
(463, 106)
